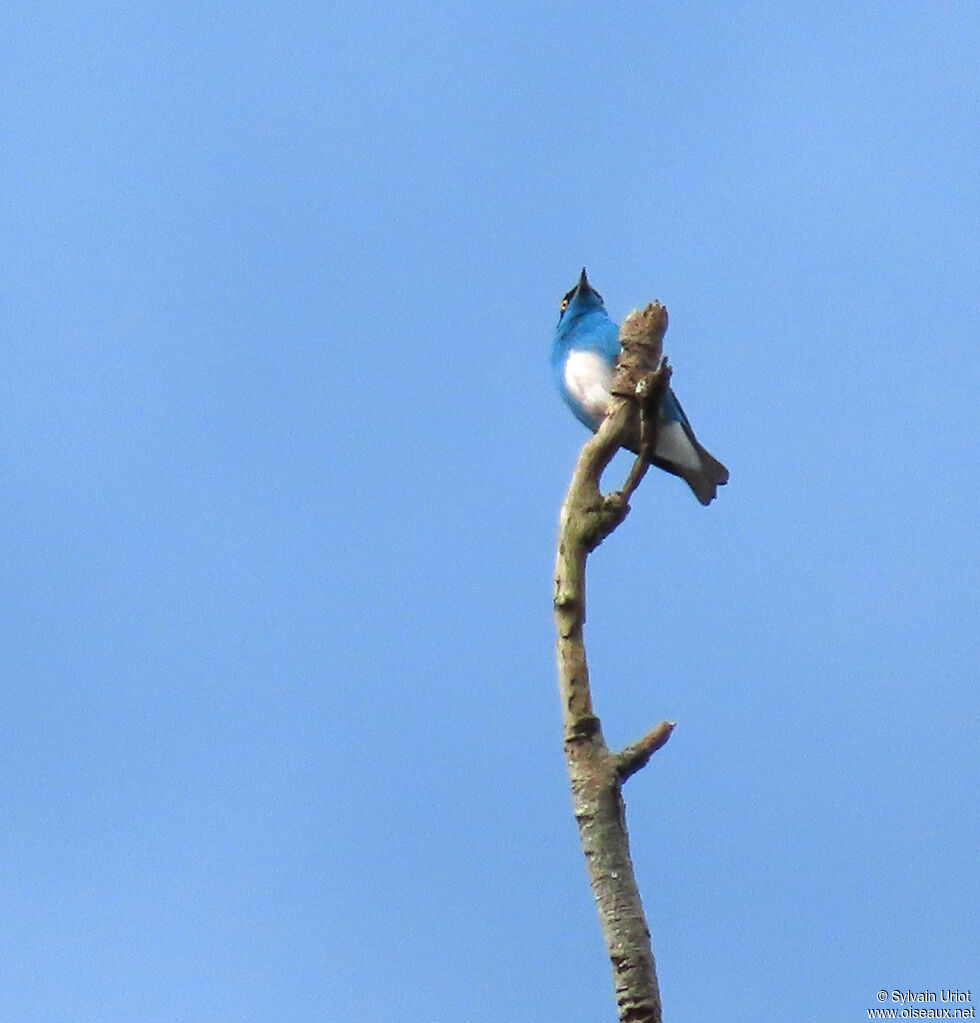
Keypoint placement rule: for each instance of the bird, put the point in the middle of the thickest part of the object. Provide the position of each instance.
(583, 357)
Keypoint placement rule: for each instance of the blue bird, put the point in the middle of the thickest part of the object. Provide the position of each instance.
(583, 356)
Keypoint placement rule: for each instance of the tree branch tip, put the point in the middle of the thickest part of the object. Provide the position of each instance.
(652, 318)
(636, 756)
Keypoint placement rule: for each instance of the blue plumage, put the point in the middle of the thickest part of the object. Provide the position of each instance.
(583, 357)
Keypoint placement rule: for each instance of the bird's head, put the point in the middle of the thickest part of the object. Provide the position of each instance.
(583, 298)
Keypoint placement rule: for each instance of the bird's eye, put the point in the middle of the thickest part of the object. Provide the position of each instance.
(563, 305)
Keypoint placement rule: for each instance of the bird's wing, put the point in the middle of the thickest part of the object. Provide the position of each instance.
(679, 451)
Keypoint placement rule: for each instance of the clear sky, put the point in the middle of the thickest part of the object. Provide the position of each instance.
(280, 468)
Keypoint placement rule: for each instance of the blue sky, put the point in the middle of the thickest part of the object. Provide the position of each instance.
(281, 468)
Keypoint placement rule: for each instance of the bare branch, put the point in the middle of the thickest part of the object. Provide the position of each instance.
(596, 774)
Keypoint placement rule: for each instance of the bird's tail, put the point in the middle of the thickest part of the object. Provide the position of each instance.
(678, 451)
(704, 481)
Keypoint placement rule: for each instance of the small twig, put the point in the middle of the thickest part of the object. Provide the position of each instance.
(649, 391)
(636, 755)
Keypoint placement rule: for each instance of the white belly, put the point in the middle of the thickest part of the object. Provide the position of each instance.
(588, 379)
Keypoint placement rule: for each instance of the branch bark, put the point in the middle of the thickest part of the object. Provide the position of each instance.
(596, 773)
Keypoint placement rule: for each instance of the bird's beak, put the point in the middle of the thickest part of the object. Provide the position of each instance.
(583, 284)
